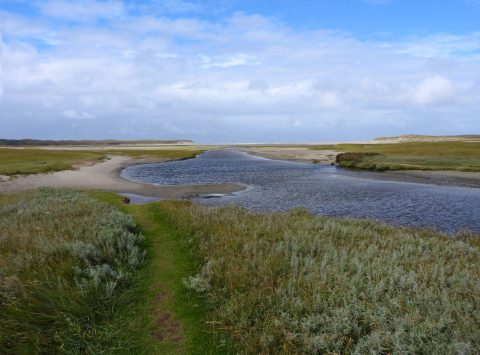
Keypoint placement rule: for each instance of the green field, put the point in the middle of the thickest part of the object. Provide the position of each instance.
(34, 161)
(74, 279)
(459, 156)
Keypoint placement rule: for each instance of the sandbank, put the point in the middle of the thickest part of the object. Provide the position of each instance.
(106, 176)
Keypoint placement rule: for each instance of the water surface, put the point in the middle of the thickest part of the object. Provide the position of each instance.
(275, 185)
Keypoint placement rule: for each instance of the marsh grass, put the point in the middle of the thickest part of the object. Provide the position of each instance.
(293, 283)
(67, 271)
(33, 161)
(459, 156)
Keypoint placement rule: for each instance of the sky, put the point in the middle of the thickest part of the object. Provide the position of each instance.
(237, 71)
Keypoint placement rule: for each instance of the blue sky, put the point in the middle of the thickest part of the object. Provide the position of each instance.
(239, 71)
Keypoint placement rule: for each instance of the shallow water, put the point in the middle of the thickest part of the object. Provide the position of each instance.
(275, 185)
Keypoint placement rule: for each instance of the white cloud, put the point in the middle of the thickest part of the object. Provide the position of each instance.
(444, 45)
(84, 10)
(74, 115)
(247, 77)
(230, 60)
(434, 90)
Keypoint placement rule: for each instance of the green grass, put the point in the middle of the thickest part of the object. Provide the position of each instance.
(177, 153)
(459, 156)
(74, 278)
(68, 275)
(170, 260)
(34, 161)
(298, 284)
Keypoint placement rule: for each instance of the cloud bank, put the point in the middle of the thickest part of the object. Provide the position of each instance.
(110, 69)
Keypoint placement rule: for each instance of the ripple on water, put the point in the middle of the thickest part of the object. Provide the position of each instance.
(281, 185)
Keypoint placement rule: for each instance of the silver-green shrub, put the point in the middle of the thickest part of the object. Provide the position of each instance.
(294, 283)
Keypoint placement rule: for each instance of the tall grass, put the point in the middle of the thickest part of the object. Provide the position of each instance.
(67, 263)
(300, 284)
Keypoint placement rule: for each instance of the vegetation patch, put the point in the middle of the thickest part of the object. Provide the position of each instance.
(177, 153)
(34, 161)
(68, 266)
(454, 155)
(293, 283)
(14, 161)
(108, 142)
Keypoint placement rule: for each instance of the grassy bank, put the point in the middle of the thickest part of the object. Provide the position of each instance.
(459, 156)
(34, 161)
(295, 283)
(68, 269)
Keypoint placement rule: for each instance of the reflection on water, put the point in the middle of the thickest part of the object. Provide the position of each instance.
(280, 185)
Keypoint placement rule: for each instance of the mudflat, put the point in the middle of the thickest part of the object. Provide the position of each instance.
(106, 176)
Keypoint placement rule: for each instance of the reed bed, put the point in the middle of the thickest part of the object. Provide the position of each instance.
(67, 267)
(293, 283)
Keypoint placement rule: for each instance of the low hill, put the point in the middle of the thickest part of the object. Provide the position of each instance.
(424, 138)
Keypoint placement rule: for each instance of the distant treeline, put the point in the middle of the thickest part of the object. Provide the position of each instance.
(38, 142)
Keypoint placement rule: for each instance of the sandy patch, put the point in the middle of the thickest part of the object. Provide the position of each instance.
(105, 176)
(300, 154)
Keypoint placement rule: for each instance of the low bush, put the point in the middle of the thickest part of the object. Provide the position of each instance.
(66, 262)
(293, 283)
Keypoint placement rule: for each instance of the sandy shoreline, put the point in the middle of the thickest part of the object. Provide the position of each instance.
(106, 176)
(297, 154)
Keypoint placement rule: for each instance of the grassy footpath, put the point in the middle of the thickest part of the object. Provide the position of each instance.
(179, 316)
(34, 161)
(459, 156)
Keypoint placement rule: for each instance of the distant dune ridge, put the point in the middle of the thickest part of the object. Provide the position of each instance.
(424, 138)
(39, 142)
